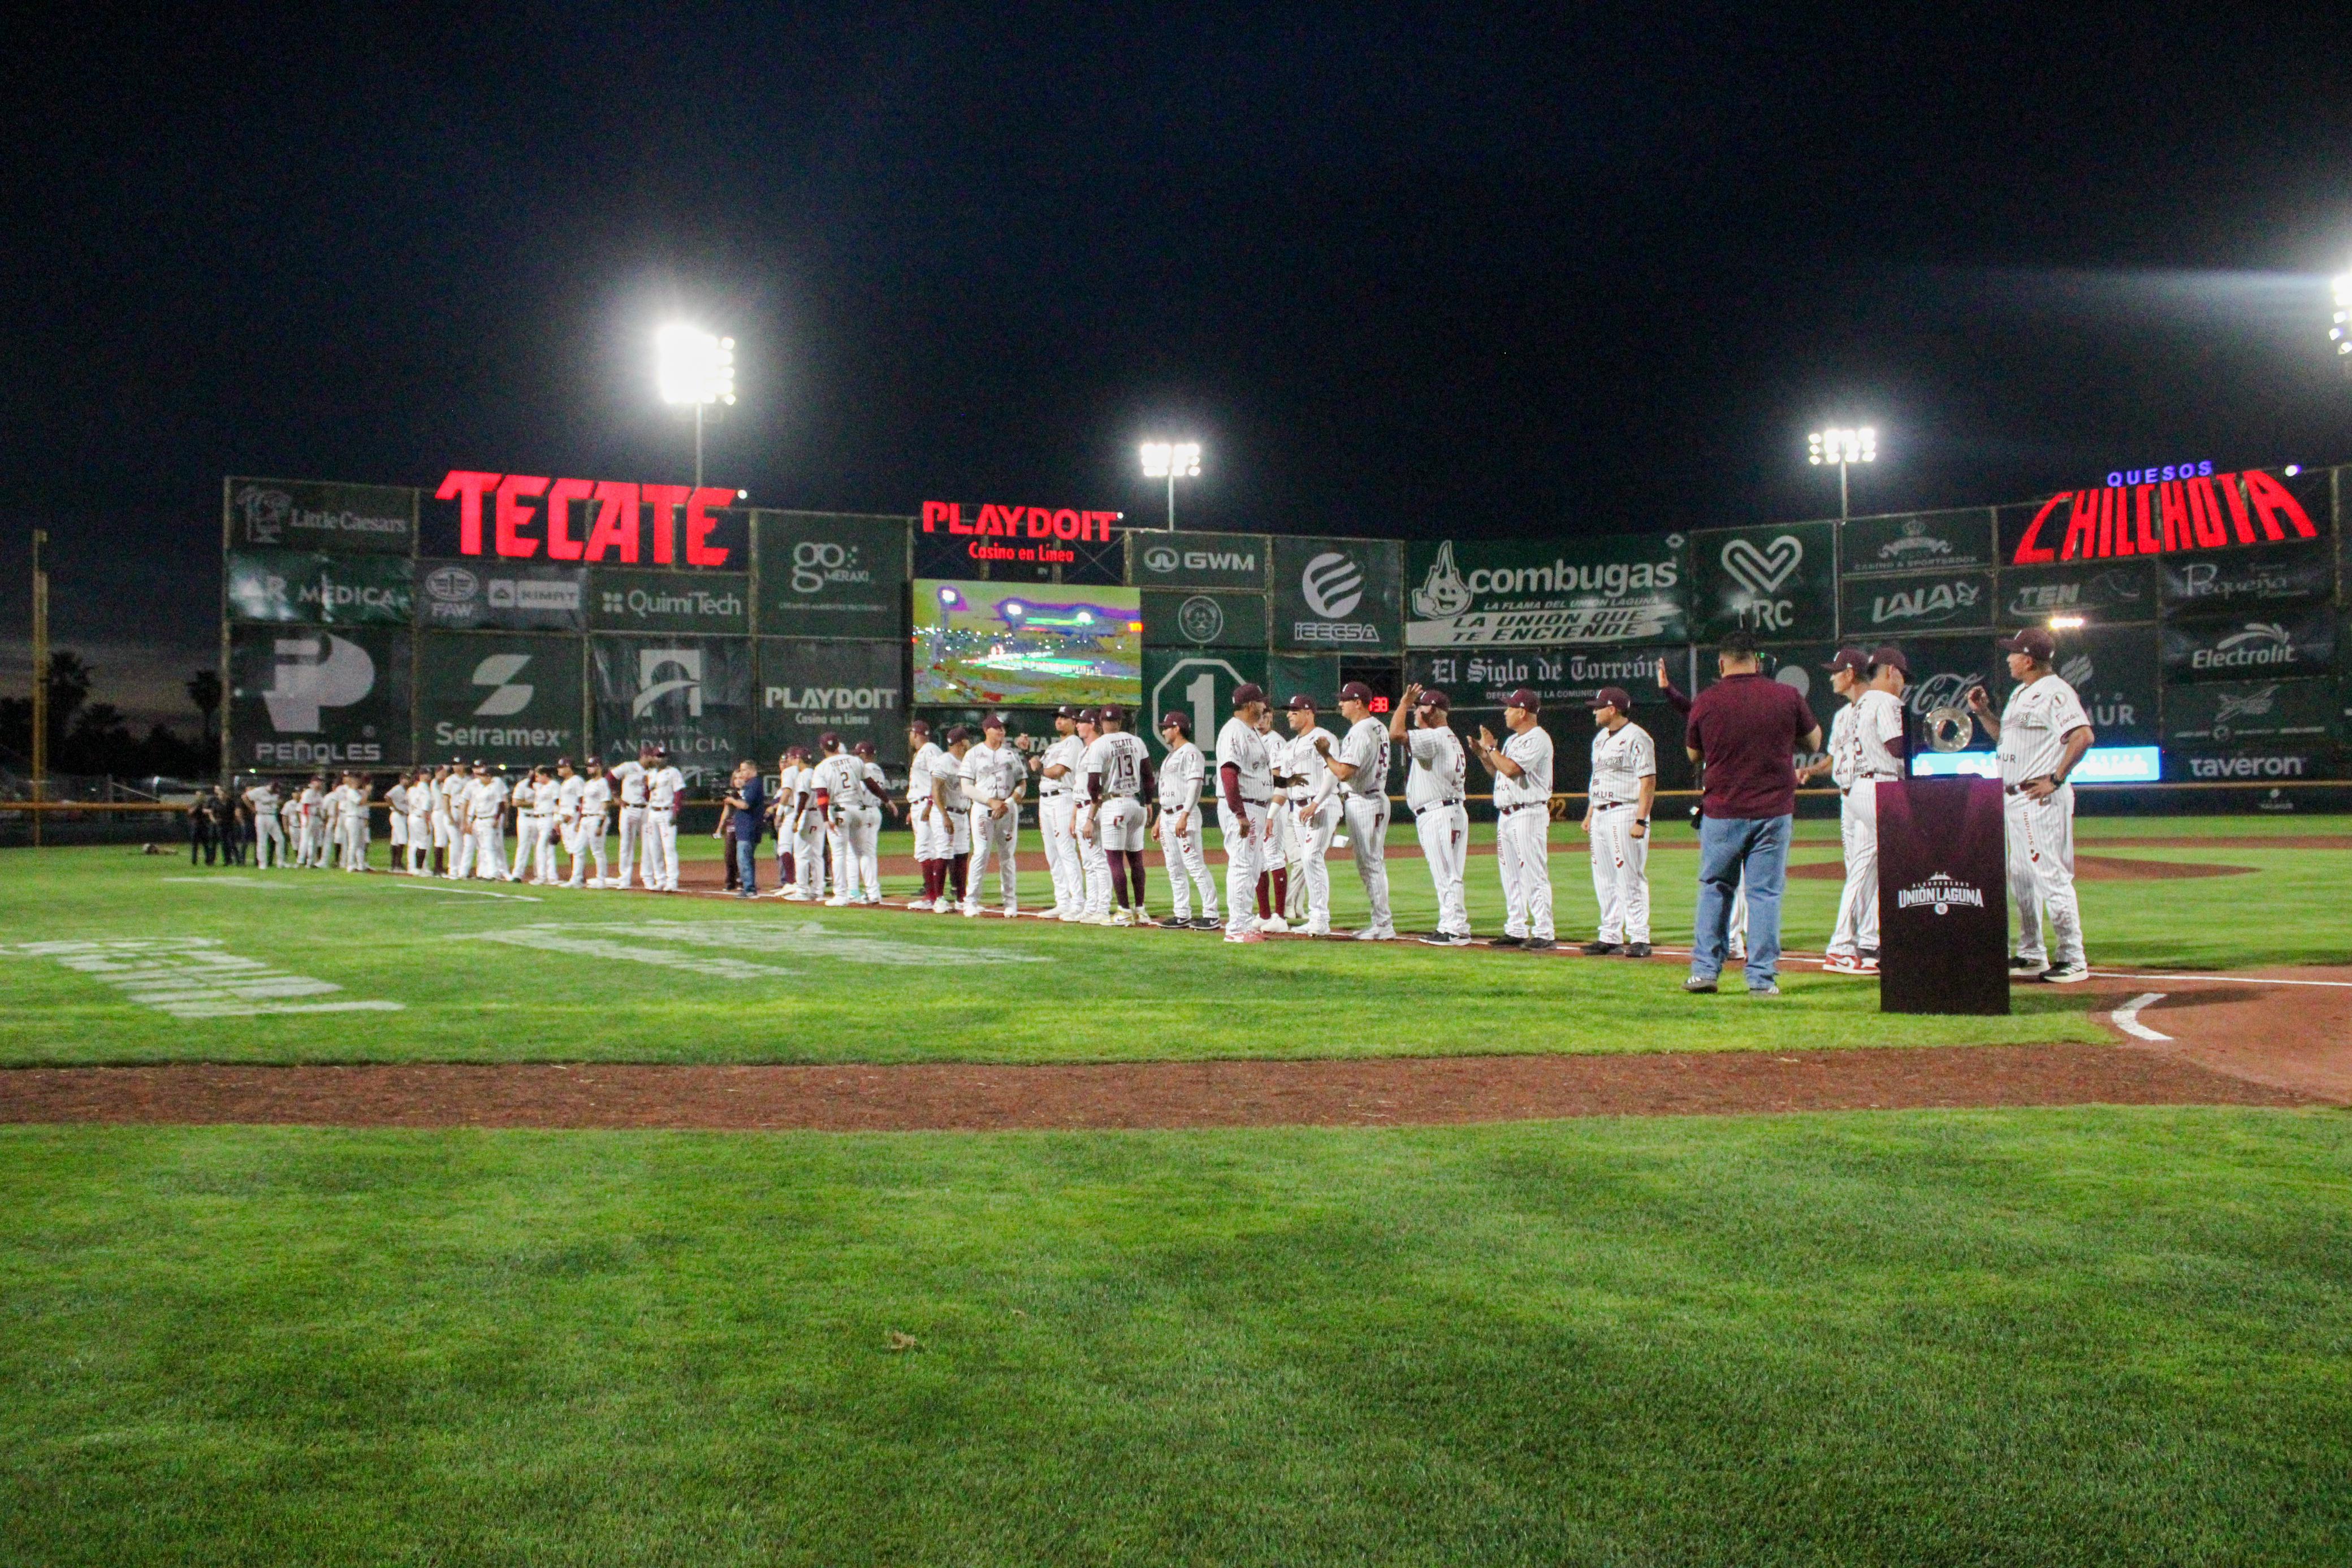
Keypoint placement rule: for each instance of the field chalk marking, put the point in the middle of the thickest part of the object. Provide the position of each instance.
(466, 892)
(2126, 1017)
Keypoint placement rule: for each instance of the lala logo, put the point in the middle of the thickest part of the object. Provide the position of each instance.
(1762, 571)
(1941, 893)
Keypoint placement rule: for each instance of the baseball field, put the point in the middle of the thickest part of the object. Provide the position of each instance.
(535, 1239)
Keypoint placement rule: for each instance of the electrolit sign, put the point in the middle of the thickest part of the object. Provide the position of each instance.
(2166, 517)
(607, 520)
(2100, 765)
(1037, 536)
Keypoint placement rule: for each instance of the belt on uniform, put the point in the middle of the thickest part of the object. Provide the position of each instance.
(1609, 805)
(2024, 784)
(1434, 806)
(1522, 806)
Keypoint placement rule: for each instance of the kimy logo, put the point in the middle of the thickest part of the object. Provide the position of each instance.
(661, 671)
(1762, 571)
(1333, 585)
(1940, 892)
(507, 696)
(1160, 559)
(452, 584)
(1200, 619)
(267, 513)
(316, 672)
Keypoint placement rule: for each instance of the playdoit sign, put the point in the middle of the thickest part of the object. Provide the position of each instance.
(854, 690)
(1489, 593)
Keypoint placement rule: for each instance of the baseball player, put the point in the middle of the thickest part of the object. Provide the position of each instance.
(306, 821)
(788, 764)
(1521, 766)
(949, 778)
(995, 775)
(1112, 816)
(1436, 782)
(665, 790)
(806, 808)
(1244, 795)
(1182, 772)
(1313, 809)
(264, 798)
(482, 852)
(1274, 877)
(837, 782)
(930, 830)
(422, 794)
(595, 803)
(1361, 768)
(1057, 806)
(1846, 667)
(356, 789)
(630, 774)
(448, 817)
(1876, 752)
(862, 825)
(395, 801)
(530, 826)
(569, 785)
(1094, 863)
(547, 804)
(1618, 798)
(2042, 735)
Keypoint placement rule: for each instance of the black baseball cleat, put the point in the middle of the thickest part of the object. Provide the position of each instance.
(1444, 940)
(1538, 943)
(1507, 941)
(1637, 949)
(1596, 949)
(2065, 974)
(1207, 923)
(2027, 965)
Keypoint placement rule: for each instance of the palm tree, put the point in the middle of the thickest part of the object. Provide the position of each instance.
(205, 691)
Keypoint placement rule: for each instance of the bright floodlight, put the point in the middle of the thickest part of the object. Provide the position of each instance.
(1842, 446)
(1171, 460)
(696, 368)
(2340, 334)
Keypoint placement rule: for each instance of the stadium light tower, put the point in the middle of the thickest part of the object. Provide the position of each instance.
(699, 369)
(1844, 448)
(2340, 334)
(1172, 461)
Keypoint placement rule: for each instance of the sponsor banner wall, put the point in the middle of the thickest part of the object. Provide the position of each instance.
(692, 695)
(306, 587)
(1199, 561)
(490, 594)
(1918, 542)
(2113, 669)
(856, 690)
(2103, 591)
(642, 535)
(1877, 610)
(318, 696)
(2250, 581)
(507, 697)
(828, 575)
(1562, 677)
(2232, 713)
(341, 519)
(1339, 596)
(1198, 684)
(1778, 581)
(1490, 592)
(2287, 644)
(1317, 675)
(1178, 620)
(708, 602)
(2279, 763)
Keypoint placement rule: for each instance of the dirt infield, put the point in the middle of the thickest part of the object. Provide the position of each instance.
(2087, 868)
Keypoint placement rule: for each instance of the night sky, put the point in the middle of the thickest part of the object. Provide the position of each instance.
(1403, 273)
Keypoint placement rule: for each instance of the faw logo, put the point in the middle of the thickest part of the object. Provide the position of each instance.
(2261, 644)
(452, 584)
(1940, 892)
(2246, 767)
(1924, 606)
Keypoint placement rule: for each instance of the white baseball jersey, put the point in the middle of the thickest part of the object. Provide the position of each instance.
(1303, 763)
(1067, 751)
(312, 798)
(452, 790)
(1531, 749)
(664, 785)
(2041, 714)
(1440, 770)
(918, 773)
(955, 772)
(1841, 759)
(595, 796)
(632, 775)
(876, 785)
(788, 789)
(525, 792)
(567, 798)
(1877, 722)
(397, 798)
(354, 803)
(485, 798)
(263, 799)
(834, 778)
(1182, 772)
(1366, 750)
(1621, 759)
(1118, 758)
(1243, 750)
(993, 773)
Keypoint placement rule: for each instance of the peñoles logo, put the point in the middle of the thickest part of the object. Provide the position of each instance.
(1941, 893)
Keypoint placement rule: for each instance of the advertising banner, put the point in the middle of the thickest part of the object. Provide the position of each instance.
(495, 517)
(2300, 642)
(1482, 677)
(501, 595)
(1172, 620)
(1918, 542)
(1198, 684)
(2113, 670)
(1878, 610)
(2282, 763)
(1338, 595)
(856, 690)
(1943, 897)
(707, 602)
(1199, 561)
(312, 696)
(303, 587)
(693, 695)
(2234, 712)
(827, 575)
(2250, 581)
(1778, 581)
(2099, 590)
(509, 699)
(2181, 512)
(1490, 592)
(341, 519)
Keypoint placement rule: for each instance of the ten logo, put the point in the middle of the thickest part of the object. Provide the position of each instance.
(313, 674)
(509, 696)
(1333, 584)
(652, 662)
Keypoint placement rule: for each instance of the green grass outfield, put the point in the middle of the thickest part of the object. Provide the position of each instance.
(2086, 1336)
(557, 975)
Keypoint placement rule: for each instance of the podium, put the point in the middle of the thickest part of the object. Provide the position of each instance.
(1943, 897)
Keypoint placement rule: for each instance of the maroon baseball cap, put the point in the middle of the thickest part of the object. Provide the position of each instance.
(1110, 713)
(2033, 643)
(1525, 698)
(829, 740)
(1611, 697)
(1356, 690)
(957, 732)
(864, 749)
(994, 721)
(919, 726)
(1852, 659)
(1434, 699)
(1084, 716)
(1248, 692)
(1174, 720)
(1890, 655)
(1301, 701)
(1066, 711)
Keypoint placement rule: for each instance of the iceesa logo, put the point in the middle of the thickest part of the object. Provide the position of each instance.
(1333, 585)
(1940, 892)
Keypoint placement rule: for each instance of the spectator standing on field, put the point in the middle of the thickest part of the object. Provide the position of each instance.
(203, 829)
(746, 807)
(1746, 729)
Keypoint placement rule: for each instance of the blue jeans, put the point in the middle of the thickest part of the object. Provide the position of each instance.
(747, 864)
(1728, 846)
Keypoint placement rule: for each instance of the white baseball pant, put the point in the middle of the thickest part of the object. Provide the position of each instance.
(633, 838)
(1520, 846)
(1858, 916)
(1445, 834)
(1244, 858)
(2042, 875)
(660, 868)
(547, 830)
(266, 832)
(355, 843)
(808, 856)
(1094, 864)
(1188, 864)
(1282, 852)
(861, 828)
(485, 853)
(399, 828)
(1000, 837)
(1310, 863)
(1621, 874)
(1368, 841)
(531, 833)
(588, 840)
(420, 843)
(1055, 814)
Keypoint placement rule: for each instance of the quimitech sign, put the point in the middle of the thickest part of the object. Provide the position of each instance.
(518, 527)
(2176, 515)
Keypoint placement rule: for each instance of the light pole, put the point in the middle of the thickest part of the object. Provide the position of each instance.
(1842, 447)
(699, 369)
(1172, 461)
(2340, 334)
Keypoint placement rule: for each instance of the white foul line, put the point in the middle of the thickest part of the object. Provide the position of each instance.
(2219, 977)
(2126, 1017)
(466, 891)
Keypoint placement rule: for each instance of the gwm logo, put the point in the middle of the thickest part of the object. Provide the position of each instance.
(507, 696)
(1163, 560)
(316, 672)
(654, 682)
(2261, 645)
(1333, 585)
(266, 513)
(1160, 559)
(1940, 892)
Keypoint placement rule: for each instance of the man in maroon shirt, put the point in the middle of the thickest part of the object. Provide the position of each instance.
(1746, 730)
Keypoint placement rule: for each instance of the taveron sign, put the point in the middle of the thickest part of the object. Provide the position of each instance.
(529, 512)
(2203, 512)
(1037, 536)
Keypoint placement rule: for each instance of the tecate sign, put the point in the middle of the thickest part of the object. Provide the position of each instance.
(532, 511)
